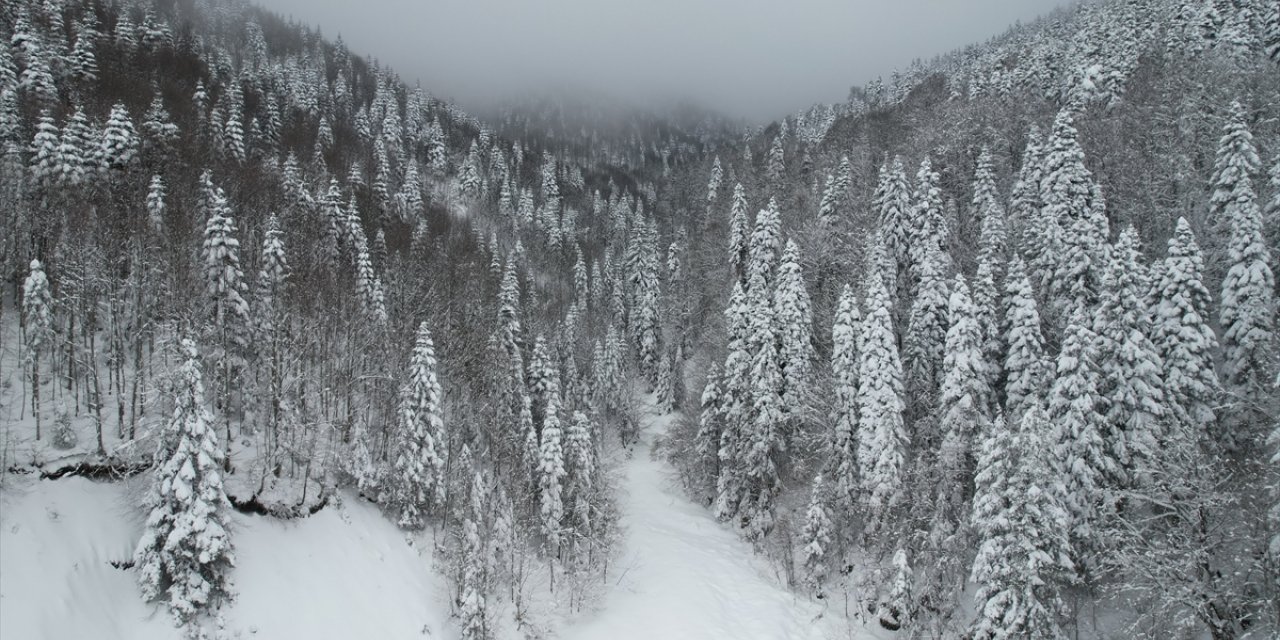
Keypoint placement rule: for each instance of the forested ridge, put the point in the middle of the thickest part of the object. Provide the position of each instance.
(986, 351)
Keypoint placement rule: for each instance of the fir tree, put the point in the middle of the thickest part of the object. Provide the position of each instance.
(1247, 312)
(418, 480)
(551, 474)
(795, 326)
(736, 406)
(882, 436)
(1024, 556)
(1182, 336)
(185, 555)
(892, 201)
(119, 141)
(926, 336)
(764, 442)
(1078, 446)
(155, 204)
(738, 234)
(37, 324)
(827, 208)
(844, 368)
(1131, 387)
(816, 538)
(963, 402)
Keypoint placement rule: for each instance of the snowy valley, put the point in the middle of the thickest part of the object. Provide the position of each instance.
(291, 347)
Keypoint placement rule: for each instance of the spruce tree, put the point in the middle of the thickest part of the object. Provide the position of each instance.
(882, 435)
(119, 140)
(963, 403)
(892, 202)
(1183, 338)
(710, 425)
(1132, 383)
(844, 369)
(418, 481)
(927, 332)
(1247, 312)
(37, 325)
(764, 440)
(815, 538)
(736, 406)
(1023, 556)
(185, 555)
(794, 321)
(738, 234)
(1078, 447)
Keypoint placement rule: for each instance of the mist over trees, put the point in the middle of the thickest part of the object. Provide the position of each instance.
(988, 350)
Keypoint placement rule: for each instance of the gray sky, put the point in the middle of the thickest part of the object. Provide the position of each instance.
(757, 59)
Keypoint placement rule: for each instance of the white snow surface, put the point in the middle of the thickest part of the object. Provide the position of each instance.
(349, 572)
(345, 572)
(684, 575)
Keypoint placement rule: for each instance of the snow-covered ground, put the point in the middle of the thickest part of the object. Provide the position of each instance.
(349, 572)
(345, 572)
(681, 574)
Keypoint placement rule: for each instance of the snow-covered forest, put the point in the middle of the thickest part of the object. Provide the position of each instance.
(291, 348)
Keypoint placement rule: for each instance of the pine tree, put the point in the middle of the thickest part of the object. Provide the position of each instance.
(927, 225)
(926, 337)
(775, 168)
(418, 480)
(185, 554)
(155, 204)
(795, 326)
(764, 253)
(738, 234)
(1024, 556)
(46, 158)
(964, 400)
(1182, 336)
(987, 208)
(37, 324)
(736, 406)
(815, 538)
(892, 201)
(119, 140)
(1131, 387)
(764, 443)
(844, 368)
(1247, 312)
(710, 425)
(1078, 447)
(551, 474)
(224, 280)
(827, 208)
(882, 435)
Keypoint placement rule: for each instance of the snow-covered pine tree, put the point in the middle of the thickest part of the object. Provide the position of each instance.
(815, 538)
(156, 205)
(1247, 311)
(738, 234)
(927, 224)
(827, 207)
(892, 202)
(963, 402)
(794, 320)
(1185, 340)
(765, 241)
(46, 160)
(185, 555)
(710, 425)
(987, 313)
(1132, 383)
(882, 435)
(763, 434)
(1023, 556)
(224, 280)
(417, 481)
(119, 140)
(927, 333)
(37, 325)
(736, 406)
(986, 207)
(844, 369)
(775, 166)
(1077, 444)
(551, 474)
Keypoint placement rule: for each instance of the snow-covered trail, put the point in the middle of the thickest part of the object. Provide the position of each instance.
(684, 575)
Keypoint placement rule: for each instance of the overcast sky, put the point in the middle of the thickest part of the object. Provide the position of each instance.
(756, 59)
